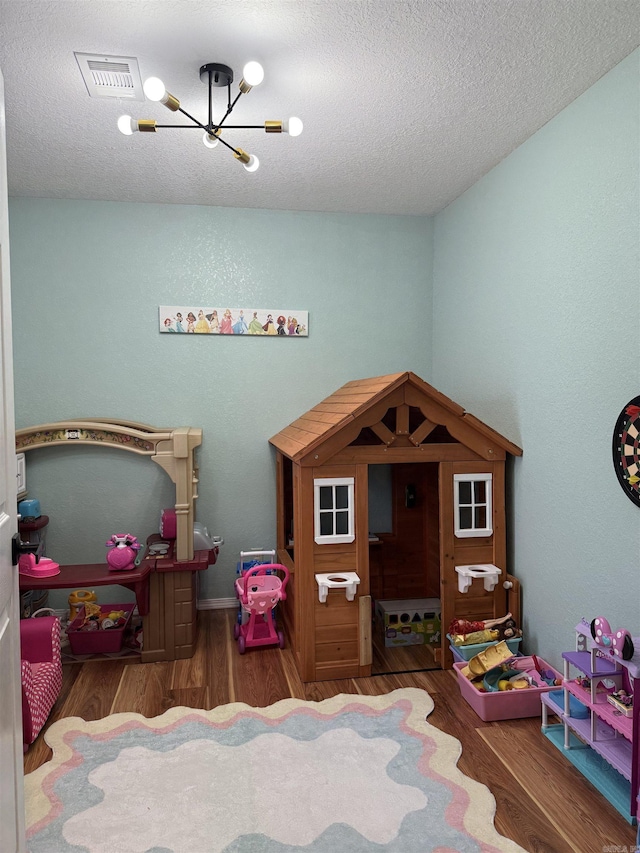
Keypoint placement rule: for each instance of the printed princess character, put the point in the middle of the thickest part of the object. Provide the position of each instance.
(202, 326)
(255, 326)
(226, 324)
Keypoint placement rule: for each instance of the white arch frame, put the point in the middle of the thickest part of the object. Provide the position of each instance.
(172, 449)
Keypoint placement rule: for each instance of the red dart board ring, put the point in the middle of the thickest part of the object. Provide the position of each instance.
(626, 449)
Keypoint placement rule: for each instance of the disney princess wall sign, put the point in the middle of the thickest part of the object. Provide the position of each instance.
(234, 321)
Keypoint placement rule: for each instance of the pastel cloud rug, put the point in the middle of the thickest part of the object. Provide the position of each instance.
(350, 774)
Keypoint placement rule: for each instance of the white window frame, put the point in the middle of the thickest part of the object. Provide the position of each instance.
(334, 538)
(469, 532)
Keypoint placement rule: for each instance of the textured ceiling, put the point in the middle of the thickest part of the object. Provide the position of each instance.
(405, 103)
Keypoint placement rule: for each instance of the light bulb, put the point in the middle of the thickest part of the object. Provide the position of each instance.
(253, 73)
(154, 89)
(209, 140)
(127, 125)
(253, 163)
(292, 126)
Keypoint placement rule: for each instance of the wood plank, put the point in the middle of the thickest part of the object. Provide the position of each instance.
(542, 802)
(372, 455)
(306, 587)
(144, 688)
(336, 633)
(420, 433)
(364, 631)
(384, 433)
(402, 419)
(318, 415)
(258, 677)
(336, 650)
(336, 610)
(490, 433)
(331, 671)
(216, 634)
(547, 785)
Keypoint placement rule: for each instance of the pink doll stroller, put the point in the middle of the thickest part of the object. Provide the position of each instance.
(259, 592)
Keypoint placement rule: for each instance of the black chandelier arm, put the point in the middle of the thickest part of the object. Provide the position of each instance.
(194, 120)
(214, 127)
(206, 130)
(229, 108)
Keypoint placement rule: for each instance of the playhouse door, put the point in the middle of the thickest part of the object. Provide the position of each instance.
(11, 795)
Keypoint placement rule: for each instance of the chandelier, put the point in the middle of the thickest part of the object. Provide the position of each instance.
(214, 75)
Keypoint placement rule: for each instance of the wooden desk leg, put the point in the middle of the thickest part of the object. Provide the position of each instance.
(170, 626)
(141, 589)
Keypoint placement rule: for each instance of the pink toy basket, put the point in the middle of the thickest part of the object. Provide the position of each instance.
(259, 592)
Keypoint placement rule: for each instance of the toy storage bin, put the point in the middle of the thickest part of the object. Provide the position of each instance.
(467, 652)
(101, 641)
(507, 705)
(409, 622)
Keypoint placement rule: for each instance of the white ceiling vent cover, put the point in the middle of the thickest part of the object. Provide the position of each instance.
(111, 76)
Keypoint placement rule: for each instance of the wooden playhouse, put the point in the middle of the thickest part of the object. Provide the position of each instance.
(445, 487)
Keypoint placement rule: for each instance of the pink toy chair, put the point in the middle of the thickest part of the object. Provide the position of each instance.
(41, 672)
(259, 593)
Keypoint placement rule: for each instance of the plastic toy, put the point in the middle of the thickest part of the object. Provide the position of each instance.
(618, 643)
(259, 591)
(29, 564)
(122, 557)
(249, 559)
(503, 628)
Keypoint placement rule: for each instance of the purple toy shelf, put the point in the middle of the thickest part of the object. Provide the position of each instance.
(632, 666)
(606, 738)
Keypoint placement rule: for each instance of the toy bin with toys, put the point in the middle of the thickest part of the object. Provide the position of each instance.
(508, 691)
(467, 652)
(99, 629)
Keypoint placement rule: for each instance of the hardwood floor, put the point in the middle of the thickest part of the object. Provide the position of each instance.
(543, 803)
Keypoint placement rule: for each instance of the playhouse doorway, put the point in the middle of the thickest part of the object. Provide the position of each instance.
(404, 566)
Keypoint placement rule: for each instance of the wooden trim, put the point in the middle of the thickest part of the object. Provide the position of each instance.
(365, 643)
(514, 599)
(417, 388)
(402, 419)
(361, 510)
(280, 508)
(388, 455)
(306, 589)
(481, 427)
(419, 434)
(447, 558)
(383, 433)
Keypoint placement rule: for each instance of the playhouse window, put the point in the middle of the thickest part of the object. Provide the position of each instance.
(333, 509)
(473, 513)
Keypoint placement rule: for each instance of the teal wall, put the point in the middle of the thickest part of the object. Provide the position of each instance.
(87, 279)
(519, 301)
(536, 295)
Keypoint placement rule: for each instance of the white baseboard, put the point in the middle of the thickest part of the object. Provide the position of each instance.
(217, 603)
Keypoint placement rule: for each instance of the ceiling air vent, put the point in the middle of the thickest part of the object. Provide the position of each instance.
(111, 76)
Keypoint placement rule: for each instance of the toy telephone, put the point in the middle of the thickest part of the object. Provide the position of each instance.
(123, 552)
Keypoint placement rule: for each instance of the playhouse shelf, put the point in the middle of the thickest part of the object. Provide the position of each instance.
(604, 745)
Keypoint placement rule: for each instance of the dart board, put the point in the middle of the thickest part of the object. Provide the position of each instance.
(626, 449)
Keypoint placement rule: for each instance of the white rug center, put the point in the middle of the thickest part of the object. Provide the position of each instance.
(202, 795)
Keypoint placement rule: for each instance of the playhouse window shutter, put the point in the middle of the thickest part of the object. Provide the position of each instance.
(333, 510)
(473, 511)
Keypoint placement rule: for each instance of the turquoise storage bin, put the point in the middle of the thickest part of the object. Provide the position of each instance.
(467, 652)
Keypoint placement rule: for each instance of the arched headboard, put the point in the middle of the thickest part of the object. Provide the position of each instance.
(172, 449)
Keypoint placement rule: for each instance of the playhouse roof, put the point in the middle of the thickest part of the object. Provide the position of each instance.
(349, 406)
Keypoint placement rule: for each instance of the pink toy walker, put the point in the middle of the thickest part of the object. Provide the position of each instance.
(259, 593)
